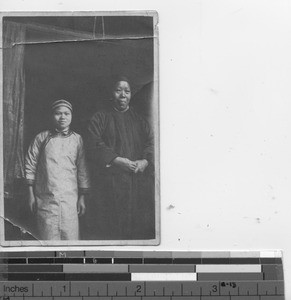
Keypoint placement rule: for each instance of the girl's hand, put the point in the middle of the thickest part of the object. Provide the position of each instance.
(81, 207)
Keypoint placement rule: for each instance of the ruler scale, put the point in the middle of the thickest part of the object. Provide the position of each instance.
(104, 275)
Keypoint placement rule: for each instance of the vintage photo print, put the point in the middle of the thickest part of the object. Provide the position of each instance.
(80, 129)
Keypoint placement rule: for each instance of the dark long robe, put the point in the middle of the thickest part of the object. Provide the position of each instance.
(122, 205)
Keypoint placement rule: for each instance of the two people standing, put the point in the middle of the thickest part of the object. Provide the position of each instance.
(120, 152)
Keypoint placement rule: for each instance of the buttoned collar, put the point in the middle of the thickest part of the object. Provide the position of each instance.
(63, 132)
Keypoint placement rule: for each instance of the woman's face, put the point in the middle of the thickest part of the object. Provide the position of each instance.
(62, 117)
(121, 95)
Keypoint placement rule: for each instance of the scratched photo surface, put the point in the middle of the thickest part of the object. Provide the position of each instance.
(90, 178)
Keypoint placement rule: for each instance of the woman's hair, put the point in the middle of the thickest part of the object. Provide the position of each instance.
(119, 78)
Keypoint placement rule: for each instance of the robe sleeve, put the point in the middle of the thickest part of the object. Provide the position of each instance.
(32, 156)
(148, 147)
(97, 149)
(82, 170)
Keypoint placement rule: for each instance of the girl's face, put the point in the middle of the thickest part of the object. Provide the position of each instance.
(62, 118)
(121, 95)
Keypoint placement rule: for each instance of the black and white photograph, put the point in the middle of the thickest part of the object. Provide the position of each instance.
(80, 134)
(148, 126)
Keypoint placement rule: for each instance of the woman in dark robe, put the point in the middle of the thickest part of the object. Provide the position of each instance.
(120, 147)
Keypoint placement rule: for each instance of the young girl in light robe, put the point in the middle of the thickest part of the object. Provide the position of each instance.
(57, 176)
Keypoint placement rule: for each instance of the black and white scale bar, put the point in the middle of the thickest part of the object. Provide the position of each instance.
(129, 276)
(7, 259)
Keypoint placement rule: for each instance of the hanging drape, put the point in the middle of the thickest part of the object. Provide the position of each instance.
(14, 40)
(13, 104)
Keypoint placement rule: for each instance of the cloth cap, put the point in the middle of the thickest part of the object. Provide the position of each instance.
(62, 102)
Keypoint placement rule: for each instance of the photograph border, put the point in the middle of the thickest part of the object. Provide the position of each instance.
(156, 124)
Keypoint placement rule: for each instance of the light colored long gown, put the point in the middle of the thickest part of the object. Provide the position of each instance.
(55, 164)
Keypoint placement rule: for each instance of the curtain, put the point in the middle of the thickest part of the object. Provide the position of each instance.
(14, 40)
(13, 104)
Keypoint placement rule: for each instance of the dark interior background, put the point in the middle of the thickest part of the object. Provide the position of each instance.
(79, 71)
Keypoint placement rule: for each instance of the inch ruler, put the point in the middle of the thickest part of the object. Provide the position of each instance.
(134, 275)
(176, 290)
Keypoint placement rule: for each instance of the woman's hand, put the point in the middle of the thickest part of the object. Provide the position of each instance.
(125, 164)
(141, 165)
(31, 199)
(81, 207)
